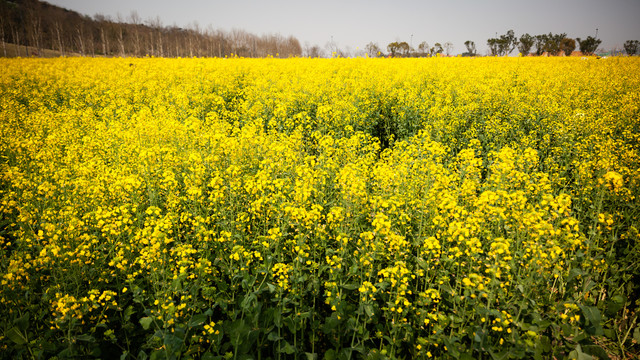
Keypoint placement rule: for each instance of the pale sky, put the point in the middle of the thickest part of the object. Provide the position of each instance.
(353, 24)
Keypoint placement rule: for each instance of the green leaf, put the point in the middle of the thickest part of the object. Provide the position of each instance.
(238, 331)
(146, 322)
(614, 304)
(567, 330)
(610, 334)
(208, 356)
(311, 356)
(574, 273)
(446, 289)
(64, 354)
(542, 325)
(466, 356)
(304, 315)
(330, 324)
(127, 313)
(477, 338)
(543, 343)
(369, 310)
(277, 319)
(173, 343)
(273, 336)
(86, 337)
(330, 354)
(353, 270)
(591, 314)
(22, 322)
(197, 320)
(48, 347)
(142, 355)
(593, 320)
(504, 354)
(578, 354)
(350, 286)
(452, 348)
(595, 350)
(581, 336)
(266, 318)
(248, 302)
(16, 336)
(422, 263)
(287, 348)
(291, 324)
(159, 354)
(636, 334)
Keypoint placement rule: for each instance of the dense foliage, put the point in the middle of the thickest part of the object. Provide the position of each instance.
(344, 208)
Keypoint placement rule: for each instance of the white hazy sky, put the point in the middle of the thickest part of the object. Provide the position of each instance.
(355, 23)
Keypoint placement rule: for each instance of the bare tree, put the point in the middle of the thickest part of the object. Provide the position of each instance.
(34, 24)
(58, 29)
(292, 47)
(393, 48)
(4, 14)
(119, 27)
(241, 45)
(312, 51)
(136, 21)
(436, 49)
(15, 29)
(103, 26)
(372, 49)
(423, 49)
(90, 39)
(448, 48)
(156, 33)
(471, 48)
(195, 35)
(493, 46)
(404, 48)
(80, 37)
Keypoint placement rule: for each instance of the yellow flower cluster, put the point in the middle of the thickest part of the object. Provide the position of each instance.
(411, 201)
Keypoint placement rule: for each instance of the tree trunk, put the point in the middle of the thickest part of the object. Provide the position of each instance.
(80, 33)
(160, 44)
(58, 27)
(16, 37)
(104, 41)
(136, 43)
(34, 28)
(151, 44)
(121, 41)
(4, 44)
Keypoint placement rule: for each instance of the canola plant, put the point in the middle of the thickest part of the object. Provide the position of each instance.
(319, 208)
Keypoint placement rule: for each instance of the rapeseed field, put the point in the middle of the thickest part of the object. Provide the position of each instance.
(455, 208)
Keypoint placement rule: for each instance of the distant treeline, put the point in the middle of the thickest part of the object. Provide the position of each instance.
(31, 26)
(37, 28)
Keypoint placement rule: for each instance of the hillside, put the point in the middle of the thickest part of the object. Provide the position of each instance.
(42, 26)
